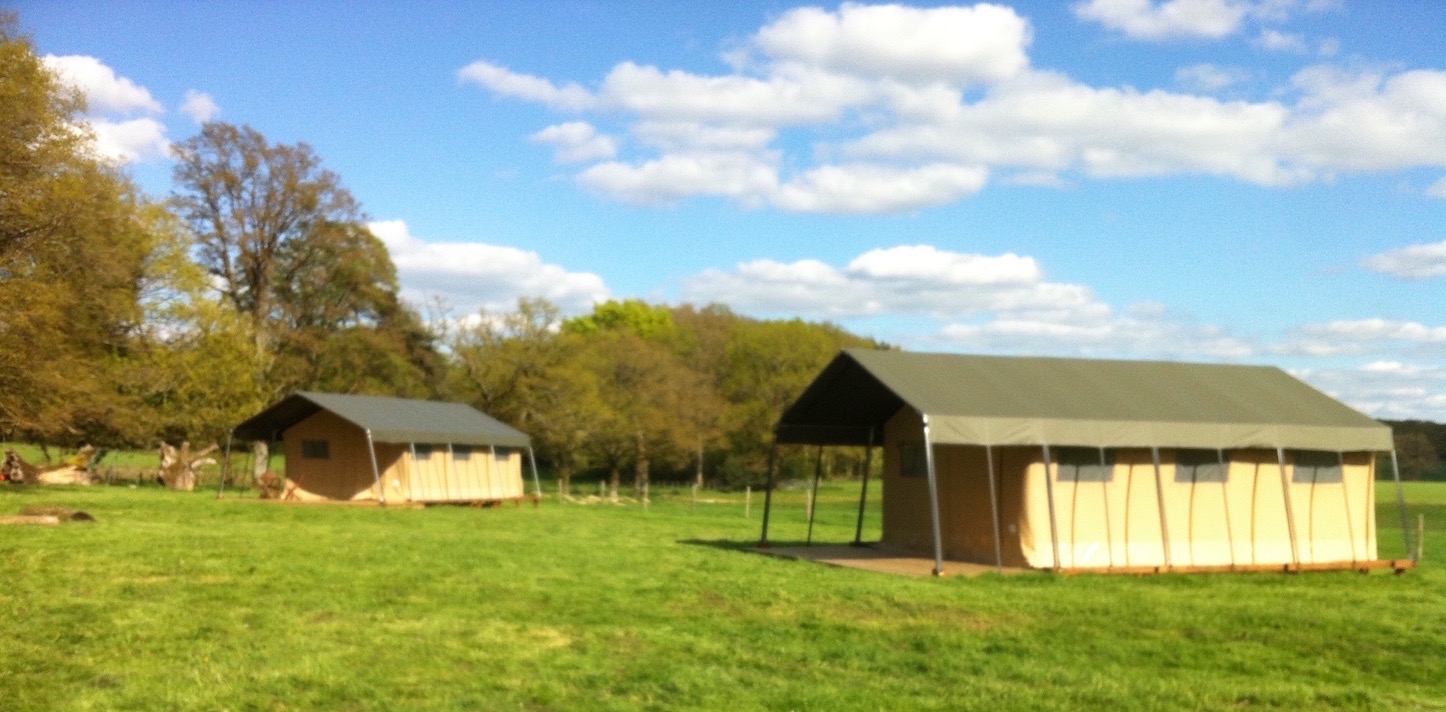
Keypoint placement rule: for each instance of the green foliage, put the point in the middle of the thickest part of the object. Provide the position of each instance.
(633, 315)
(176, 601)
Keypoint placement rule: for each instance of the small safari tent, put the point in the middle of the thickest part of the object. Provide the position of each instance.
(349, 447)
(1093, 465)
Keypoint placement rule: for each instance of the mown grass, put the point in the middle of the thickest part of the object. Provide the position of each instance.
(176, 601)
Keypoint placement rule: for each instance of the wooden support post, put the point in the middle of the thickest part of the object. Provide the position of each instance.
(1401, 500)
(1105, 492)
(813, 495)
(864, 491)
(1346, 498)
(376, 474)
(994, 506)
(693, 504)
(933, 500)
(225, 466)
(768, 496)
(1289, 507)
(747, 501)
(1225, 498)
(532, 460)
(1049, 495)
(1160, 500)
(1420, 537)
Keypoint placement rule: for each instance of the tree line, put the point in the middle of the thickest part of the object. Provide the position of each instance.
(128, 319)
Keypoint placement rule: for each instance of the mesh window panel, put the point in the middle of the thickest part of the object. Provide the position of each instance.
(912, 462)
(1323, 468)
(1082, 464)
(424, 452)
(1201, 466)
(461, 452)
(316, 449)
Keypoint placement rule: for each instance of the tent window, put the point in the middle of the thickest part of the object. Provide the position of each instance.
(461, 453)
(1082, 464)
(1315, 466)
(424, 452)
(912, 462)
(316, 449)
(500, 455)
(1192, 466)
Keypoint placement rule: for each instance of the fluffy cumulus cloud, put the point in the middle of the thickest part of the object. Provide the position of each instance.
(1385, 388)
(888, 108)
(476, 275)
(1147, 20)
(200, 106)
(1365, 336)
(1411, 262)
(111, 102)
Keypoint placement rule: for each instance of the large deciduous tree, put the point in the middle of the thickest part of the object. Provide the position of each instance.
(73, 247)
(285, 245)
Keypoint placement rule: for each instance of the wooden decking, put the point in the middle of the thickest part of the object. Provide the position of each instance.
(883, 559)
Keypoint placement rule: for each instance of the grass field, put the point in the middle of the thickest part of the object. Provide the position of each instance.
(177, 601)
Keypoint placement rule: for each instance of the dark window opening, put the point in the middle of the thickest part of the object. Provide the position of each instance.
(461, 452)
(1083, 464)
(912, 461)
(1195, 466)
(424, 452)
(316, 449)
(1316, 467)
(500, 454)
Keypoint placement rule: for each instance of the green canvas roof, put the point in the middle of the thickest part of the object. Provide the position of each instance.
(390, 420)
(1002, 400)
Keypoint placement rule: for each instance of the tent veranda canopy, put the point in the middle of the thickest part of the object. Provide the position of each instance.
(1004, 400)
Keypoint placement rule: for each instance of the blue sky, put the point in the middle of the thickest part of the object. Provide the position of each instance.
(1258, 181)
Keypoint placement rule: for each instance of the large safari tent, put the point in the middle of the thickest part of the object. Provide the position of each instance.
(350, 447)
(1126, 466)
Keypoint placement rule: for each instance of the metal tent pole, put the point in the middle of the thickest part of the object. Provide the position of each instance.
(864, 492)
(536, 482)
(225, 466)
(768, 496)
(1109, 526)
(813, 501)
(1225, 499)
(1160, 500)
(413, 471)
(448, 468)
(1346, 499)
(376, 474)
(933, 500)
(1049, 495)
(994, 506)
(1289, 506)
(1401, 503)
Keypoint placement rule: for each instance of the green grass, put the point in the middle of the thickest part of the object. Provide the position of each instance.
(176, 601)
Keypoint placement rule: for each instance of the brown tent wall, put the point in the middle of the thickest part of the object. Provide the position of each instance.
(346, 474)
(1117, 523)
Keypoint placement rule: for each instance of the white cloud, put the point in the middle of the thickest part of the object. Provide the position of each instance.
(1423, 261)
(200, 106)
(570, 97)
(872, 109)
(103, 90)
(1437, 189)
(473, 275)
(1210, 78)
(1362, 336)
(129, 141)
(1385, 389)
(959, 44)
(864, 188)
(110, 100)
(1146, 20)
(577, 142)
(1277, 41)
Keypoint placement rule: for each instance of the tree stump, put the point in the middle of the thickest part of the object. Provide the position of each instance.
(179, 465)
